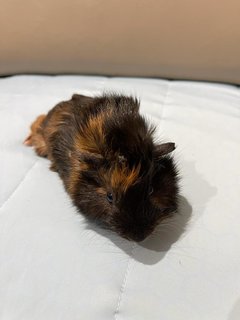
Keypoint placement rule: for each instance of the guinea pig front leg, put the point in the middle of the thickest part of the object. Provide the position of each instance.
(36, 139)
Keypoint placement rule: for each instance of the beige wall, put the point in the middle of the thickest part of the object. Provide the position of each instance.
(187, 39)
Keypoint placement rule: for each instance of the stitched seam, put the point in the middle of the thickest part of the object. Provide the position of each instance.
(17, 187)
(165, 100)
(124, 283)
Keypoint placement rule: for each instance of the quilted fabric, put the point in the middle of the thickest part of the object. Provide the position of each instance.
(54, 265)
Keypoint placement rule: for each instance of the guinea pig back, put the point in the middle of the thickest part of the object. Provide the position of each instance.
(111, 166)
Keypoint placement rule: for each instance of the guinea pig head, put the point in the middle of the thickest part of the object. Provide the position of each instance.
(130, 197)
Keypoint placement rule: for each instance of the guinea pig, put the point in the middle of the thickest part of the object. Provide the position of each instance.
(106, 155)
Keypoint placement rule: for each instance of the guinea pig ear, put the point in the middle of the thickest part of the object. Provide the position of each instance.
(164, 148)
(81, 99)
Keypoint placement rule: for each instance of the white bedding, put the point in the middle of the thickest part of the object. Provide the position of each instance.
(53, 265)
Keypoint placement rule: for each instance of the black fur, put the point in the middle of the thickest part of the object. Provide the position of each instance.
(95, 144)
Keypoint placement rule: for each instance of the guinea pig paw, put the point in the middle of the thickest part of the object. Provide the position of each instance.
(28, 141)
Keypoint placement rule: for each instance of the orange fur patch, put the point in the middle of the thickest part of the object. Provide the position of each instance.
(75, 173)
(93, 136)
(36, 138)
(101, 191)
(57, 119)
(122, 177)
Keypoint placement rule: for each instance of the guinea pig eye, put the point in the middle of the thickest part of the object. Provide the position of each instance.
(151, 190)
(109, 197)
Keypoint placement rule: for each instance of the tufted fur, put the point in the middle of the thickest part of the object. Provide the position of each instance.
(101, 146)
